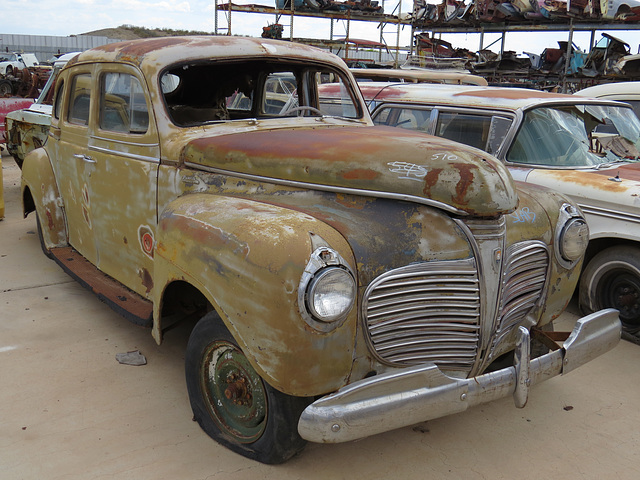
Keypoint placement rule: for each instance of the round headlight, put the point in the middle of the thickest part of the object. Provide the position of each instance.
(574, 239)
(331, 294)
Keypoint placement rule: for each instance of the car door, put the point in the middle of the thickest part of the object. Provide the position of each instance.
(124, 148)
(72, 162)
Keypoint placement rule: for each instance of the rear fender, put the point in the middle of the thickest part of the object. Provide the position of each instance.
(248, 259)
(40, 193)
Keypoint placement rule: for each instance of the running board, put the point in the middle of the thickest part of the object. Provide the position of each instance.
(126, 302)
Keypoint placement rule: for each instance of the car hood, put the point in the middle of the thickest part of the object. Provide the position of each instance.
(376, 161)
(616, 188)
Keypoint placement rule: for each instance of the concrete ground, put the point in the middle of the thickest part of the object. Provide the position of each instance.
(69, 410)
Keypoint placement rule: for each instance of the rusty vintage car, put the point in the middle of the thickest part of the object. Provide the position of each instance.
(348, 279)
(585, 148)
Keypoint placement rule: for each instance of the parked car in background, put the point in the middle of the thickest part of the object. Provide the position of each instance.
(17, 61)
(585, 148)
(628, 92)
(8, 105)
(27, 129)
(348, 279)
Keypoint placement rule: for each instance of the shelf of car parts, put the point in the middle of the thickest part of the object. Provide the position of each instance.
(356, 10)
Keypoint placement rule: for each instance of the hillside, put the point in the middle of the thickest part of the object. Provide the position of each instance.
(131, 32)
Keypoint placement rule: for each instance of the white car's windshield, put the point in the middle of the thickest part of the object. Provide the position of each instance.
(577, 136)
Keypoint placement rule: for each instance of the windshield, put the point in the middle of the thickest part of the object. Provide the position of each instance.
(201, 93)
(577, 136)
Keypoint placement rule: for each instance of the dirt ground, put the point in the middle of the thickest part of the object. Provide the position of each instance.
(69, 410)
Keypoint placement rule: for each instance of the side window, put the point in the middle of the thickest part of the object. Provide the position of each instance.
(383, 116)
(280, 93)
(79, 99)
(123, 107)
(469, 129)
(340, 103)
(409, 118)
(499, 128)
(57, 109)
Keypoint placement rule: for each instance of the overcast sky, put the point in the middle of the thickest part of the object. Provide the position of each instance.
(72, 17)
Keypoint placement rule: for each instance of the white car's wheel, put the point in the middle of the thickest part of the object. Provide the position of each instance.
(612, 280)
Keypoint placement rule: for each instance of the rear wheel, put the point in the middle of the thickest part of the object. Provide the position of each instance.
(6, 88)
(612, 280)
(233, 404)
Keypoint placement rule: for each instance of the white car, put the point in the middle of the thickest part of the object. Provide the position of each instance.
(617, 8)
(628, 92)
(586, 148)
(27, 129)
(16, 61)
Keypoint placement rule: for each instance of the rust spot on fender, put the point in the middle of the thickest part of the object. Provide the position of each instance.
(50, 221)
(147, 280)
(466, 180)
(596, 179)
(431, 180)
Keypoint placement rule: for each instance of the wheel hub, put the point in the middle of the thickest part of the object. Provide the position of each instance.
(235, 395)
(625, 297)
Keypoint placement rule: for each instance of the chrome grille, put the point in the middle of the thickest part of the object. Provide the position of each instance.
(426, 312)
(523, 280)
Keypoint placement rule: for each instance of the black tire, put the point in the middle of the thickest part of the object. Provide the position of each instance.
(249, 416)
(6, 88)
(612, 280)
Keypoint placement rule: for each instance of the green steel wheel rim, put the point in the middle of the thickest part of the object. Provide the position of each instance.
(235, 395)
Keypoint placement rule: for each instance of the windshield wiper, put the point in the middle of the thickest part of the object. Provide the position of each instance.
(610, 164)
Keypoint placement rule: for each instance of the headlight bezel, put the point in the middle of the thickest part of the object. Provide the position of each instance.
(323, 263)
(570, 222)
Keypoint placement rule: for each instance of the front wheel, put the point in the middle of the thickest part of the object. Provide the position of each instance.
(612, 280)
(233, 404)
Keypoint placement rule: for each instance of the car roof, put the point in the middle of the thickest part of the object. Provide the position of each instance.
(418, 75)
(154, 52)
(607, 89)
(504, 98)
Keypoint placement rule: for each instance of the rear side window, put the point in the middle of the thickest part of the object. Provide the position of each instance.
(79, 99)
(123, 107)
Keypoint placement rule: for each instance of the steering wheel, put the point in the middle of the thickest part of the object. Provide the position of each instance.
(300, 109)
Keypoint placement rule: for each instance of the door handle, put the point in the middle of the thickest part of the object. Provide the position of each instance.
(85, 158)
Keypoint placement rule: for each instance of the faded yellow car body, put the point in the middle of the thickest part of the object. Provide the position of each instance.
(273, 239)
(178, 216)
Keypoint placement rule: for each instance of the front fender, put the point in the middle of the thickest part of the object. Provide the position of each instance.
(248, 258)
(39, 186)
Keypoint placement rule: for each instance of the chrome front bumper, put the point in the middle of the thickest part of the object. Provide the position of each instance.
(416, 394)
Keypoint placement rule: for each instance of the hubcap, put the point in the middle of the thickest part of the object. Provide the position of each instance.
(234, 392)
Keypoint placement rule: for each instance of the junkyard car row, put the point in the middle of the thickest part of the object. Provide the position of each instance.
(349, 278)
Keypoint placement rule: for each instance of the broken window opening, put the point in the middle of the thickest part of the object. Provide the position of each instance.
(197, 94)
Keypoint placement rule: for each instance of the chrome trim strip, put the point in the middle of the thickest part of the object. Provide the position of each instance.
(330, 188)
(132, 156)
(403, 397)
(614, 214)
(124, 142)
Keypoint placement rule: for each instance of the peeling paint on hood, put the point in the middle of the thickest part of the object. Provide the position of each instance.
(376, 159)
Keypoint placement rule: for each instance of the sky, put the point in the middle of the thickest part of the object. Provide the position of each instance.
(72, 17)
